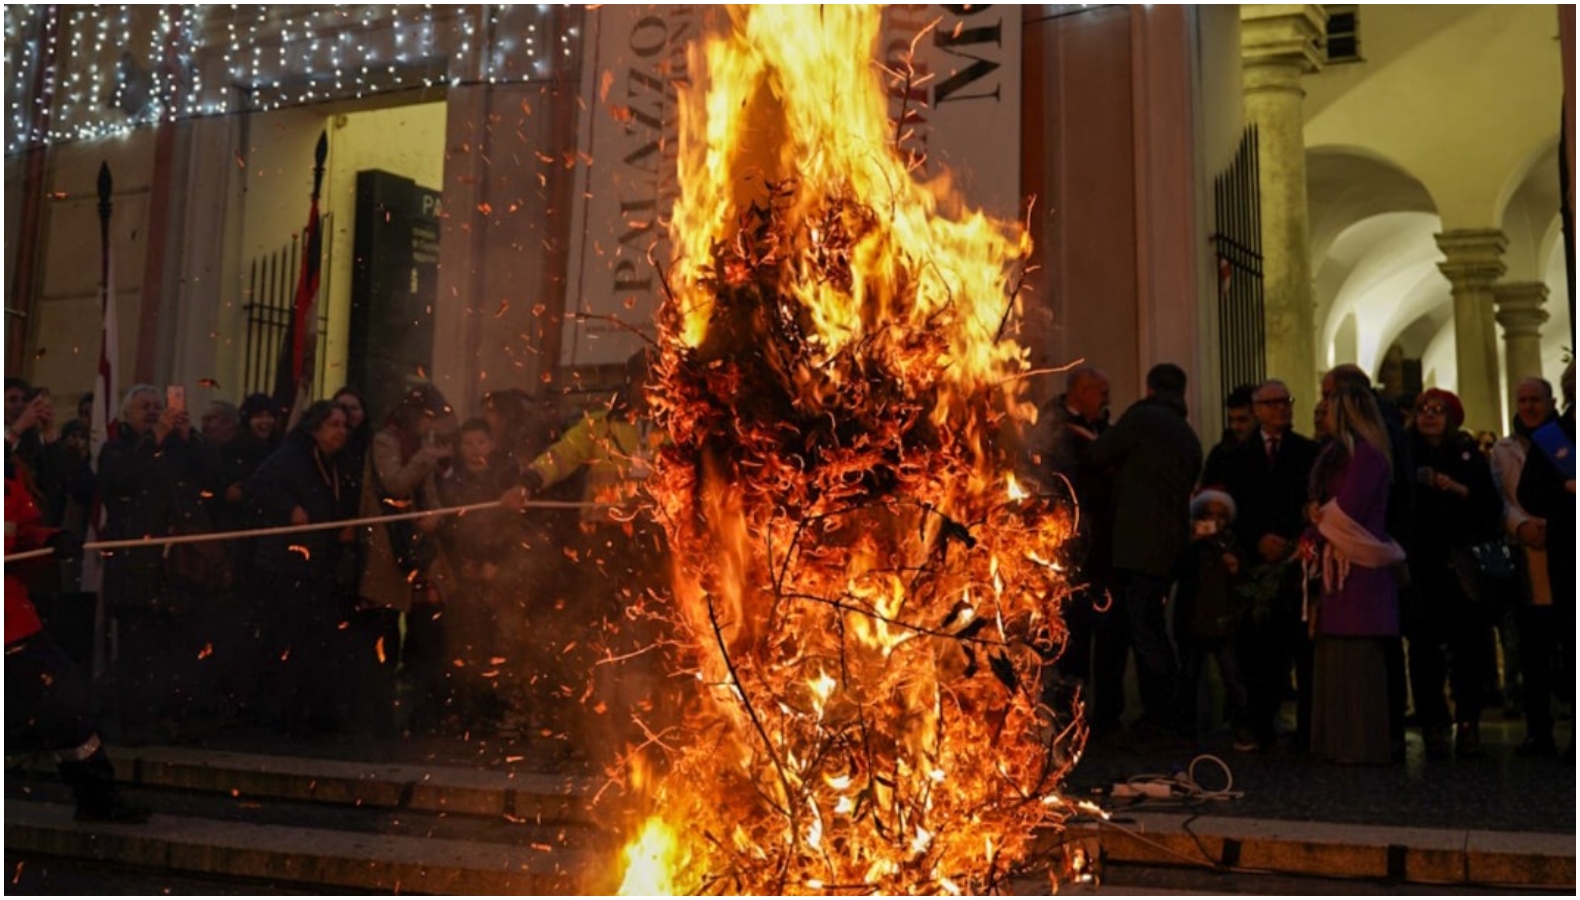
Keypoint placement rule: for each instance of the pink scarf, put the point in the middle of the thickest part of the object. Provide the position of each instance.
(1346, 543)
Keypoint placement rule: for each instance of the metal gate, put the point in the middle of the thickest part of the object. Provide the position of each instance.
(271, 293)
(1237, 239)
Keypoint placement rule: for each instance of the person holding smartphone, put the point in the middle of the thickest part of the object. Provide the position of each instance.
(403, 574)
(29, 425)
(150, 479)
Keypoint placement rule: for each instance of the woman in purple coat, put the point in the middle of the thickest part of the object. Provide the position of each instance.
(1348, 552)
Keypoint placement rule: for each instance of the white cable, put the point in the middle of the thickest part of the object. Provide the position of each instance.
(169, 539)
(1181, 786)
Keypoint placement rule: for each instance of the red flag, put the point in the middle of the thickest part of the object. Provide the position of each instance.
(293, 372)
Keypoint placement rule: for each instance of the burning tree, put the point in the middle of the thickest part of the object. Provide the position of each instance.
(863, 594)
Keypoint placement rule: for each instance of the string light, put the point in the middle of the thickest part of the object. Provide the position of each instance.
(111, 69)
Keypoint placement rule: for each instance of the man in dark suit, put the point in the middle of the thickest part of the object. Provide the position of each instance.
(1267, 477)
(1155, 456)
(1239, 422)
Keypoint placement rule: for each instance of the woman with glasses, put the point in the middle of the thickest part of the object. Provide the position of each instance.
(359, 433)
(1456, 505)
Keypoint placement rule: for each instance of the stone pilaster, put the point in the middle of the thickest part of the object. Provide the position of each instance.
(1521, 315)
(1278, 47)
(1474, 262)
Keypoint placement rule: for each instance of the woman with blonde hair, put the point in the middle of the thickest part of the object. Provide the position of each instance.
(1348, 552)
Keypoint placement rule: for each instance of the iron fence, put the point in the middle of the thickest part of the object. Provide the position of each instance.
(1237, 240)
(271, 293)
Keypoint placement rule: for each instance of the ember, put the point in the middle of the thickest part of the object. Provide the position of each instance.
(863, 593)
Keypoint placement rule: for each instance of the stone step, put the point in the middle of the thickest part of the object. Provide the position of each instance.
(329, 859)
(1462, 857)
(313, 791)
(504, 792)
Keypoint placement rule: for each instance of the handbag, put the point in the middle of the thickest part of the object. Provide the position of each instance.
(1485, 570)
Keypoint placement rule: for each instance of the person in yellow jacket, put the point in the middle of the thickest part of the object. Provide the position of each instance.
(617, 557)
(616, 444)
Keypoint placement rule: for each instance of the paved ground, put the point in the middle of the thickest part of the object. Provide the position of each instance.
(445, 815)
(477, 815)
(1501, 792)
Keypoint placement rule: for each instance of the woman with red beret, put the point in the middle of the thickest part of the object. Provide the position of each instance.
(1456, 505)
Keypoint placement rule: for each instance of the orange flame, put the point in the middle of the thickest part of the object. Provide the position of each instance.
(863, 591)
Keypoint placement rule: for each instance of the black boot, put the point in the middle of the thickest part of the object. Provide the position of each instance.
(92, 782)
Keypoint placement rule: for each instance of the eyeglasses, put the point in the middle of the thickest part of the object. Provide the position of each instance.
(1277, 401)
(1432, 409)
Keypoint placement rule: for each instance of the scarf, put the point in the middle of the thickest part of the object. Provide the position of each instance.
(1347, 543)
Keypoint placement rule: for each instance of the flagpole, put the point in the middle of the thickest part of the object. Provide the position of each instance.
(106, 188)
(92, 581)
(300, 349)
(307, 353)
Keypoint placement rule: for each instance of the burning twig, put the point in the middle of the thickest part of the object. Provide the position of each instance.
(860, 592)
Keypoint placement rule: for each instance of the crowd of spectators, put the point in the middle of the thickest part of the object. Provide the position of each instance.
(440, 623)
(1345, 587)
(1389, 572)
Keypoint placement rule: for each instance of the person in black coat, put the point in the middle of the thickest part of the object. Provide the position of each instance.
(300, 484)
(1155, 457)
(150, 476)
(238, 618)
(1456, 505)
(257, 439)
(1058, 463)
(1268, 476)
(1239, 420)
(1547, 490)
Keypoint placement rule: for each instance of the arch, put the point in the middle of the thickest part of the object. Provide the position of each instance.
(1558, 334)
(1542, 158)
(1347, 184)
(1344, 346)
(1380, 274)
(1419, 333)
(1528, 212)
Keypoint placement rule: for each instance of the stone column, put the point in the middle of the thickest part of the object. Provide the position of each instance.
(1278, 45)
(1474, 262)
(1521, 315)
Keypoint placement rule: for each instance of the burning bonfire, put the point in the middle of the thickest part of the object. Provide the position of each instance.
(863, 595)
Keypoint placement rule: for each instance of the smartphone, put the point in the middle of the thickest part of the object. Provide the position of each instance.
(176, 397)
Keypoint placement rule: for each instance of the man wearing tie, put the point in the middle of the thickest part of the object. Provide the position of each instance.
(1268, 480)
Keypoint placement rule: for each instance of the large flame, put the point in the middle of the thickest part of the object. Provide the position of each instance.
(864, 596)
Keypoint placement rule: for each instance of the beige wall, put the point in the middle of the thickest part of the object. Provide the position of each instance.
(511, 158)
(66, 322)
(1459, 96)
(276, 159)
(1115, 153)
(1079, 160)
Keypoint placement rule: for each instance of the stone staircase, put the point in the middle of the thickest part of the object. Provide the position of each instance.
(288, 823)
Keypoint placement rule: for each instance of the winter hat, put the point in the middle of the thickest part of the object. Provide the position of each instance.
(1212, 495)
(1452, 408)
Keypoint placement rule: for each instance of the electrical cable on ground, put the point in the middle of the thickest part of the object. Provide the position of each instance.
(1183, 789)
